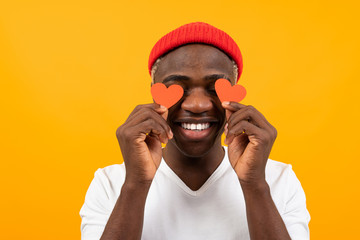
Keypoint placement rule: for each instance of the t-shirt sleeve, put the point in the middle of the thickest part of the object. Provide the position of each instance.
(98, 205)
(296, 216)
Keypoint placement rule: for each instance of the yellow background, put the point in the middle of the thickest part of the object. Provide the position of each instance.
(70, 73)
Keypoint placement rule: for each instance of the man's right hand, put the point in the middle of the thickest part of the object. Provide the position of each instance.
(140, 139)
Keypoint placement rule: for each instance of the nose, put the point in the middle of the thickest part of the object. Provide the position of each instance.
(197, 101)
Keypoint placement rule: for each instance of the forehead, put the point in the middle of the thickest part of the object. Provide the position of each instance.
(195, 61)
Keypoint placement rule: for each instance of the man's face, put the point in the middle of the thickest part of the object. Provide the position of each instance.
(196, 67)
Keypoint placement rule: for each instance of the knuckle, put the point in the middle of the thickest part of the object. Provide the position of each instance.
(265, 137)
(231, 118)
(137, 107)
(163, 135)
(246, 112)
(269, 137)
(119, 131)
(231, 132)
(150, 122)
(163, 131)
(275, 132)
(250, 108)
(126, 134)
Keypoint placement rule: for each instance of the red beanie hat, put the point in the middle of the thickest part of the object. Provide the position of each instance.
(197, 32)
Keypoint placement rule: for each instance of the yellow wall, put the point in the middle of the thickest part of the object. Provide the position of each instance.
(71, 73)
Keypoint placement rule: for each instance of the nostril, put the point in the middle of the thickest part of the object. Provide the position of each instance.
(197, 103)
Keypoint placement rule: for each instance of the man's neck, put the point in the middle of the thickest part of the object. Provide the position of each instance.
(193, 171)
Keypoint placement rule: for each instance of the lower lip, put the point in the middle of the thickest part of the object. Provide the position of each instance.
(196, 135)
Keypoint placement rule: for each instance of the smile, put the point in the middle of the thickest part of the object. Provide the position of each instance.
(195, 127)
(196, 131)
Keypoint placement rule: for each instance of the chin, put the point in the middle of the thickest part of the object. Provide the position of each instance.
(195, 149)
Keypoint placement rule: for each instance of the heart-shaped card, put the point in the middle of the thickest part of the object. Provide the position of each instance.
(229, 93)
(171, 95)
(166, 96)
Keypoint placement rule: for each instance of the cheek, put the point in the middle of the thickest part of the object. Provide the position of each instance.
(171, 113)
(220, 110)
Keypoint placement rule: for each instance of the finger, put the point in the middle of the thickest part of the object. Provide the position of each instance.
(249, 114)
(163, 111)
(139, 112)
(241, 142)
(139, 108)
(148, 113)
(227, 114)
(242, 127)
(234, 107)
(153, 144)
(230, 108)
(152, 128)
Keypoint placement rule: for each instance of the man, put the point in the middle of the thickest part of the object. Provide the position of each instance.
(195, 188)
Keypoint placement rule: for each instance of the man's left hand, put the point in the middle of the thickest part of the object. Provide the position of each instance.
(250, 138)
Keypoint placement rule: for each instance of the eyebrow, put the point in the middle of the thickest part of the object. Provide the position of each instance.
(215, 77)
(212, 77)
(175, 78)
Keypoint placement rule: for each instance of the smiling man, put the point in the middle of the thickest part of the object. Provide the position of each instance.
(195, 188)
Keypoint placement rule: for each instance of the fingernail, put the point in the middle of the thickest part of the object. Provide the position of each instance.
(163, 107)
(171, 134)
(226, 103)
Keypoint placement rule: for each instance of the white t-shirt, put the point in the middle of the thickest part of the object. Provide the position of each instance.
(215, 211)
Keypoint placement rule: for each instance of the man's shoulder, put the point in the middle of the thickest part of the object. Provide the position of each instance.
(277, 172)
(112, 169)
(277, 166)
(112, 174)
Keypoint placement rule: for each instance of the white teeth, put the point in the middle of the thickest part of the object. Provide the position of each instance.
(195, 127)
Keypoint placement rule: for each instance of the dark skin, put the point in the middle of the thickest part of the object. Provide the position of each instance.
(249, 136)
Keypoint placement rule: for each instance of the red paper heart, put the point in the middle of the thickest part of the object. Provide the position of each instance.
(229, 93)
(166, 96)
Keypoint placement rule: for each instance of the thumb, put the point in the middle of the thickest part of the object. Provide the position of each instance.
(165, 114)
(226, 106)
(228, 114)
(163, 111)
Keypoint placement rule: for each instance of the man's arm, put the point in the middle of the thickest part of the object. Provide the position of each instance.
(105, 207)
(263, 218)
(250, 138)
(126, 219)
(140, 139)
